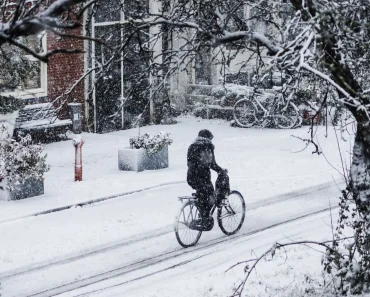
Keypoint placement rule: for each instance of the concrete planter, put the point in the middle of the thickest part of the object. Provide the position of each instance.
(30, 188)
(139, 160)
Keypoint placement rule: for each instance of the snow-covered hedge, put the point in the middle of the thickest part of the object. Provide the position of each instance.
(9, 104)
(152, 143)
(229, 94)
(20, 160)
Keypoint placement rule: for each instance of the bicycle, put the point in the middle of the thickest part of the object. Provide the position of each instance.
(265, 110)
(229, 210)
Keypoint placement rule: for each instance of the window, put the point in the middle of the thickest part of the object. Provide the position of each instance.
(126, 78)
(235, 12)
(136, 9)
(108, 11)
(118, 10)
(257, 14)
(21, 74)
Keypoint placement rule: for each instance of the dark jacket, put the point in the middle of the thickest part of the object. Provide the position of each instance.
(201, 159)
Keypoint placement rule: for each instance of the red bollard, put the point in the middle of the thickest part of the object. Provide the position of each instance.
(78, 143)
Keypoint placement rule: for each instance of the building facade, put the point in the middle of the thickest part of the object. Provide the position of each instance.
(77, 78)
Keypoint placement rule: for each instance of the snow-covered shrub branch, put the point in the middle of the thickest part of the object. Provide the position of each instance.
(251, 264)
(20, 160)
(151, 143)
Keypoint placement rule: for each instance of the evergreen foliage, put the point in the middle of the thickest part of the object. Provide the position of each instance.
(9, 104)
(20, 160)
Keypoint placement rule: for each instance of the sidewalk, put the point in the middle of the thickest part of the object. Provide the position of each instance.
(261, 163)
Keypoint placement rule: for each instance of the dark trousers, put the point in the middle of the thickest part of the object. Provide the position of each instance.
(204, 192)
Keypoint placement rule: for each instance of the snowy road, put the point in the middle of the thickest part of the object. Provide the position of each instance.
(197, 271)
(59, 262)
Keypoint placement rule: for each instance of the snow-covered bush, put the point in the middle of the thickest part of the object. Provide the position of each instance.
(20, 160)
(10, 104)
(167, 115)
(349, 260)
(152, 143)
(230, 93)
(200, 110)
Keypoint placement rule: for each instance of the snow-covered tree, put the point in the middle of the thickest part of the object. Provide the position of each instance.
(324, 38)
(20, 19)
(20, 22)
(21, 25)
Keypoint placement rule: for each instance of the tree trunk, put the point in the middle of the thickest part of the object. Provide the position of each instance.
(359, 187)
(360, 167)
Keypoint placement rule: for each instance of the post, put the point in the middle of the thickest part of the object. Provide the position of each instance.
(78, 143)
(207, 107)
(75, 114)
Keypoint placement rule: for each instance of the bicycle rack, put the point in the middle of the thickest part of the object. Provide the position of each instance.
(190, 198)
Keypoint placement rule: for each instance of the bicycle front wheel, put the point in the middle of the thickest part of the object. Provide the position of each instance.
(287, 118)
(230, 215)
(187, 236)
(245, 113)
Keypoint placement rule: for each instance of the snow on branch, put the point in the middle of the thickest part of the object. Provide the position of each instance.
(24, 19)
(249, 268)
(252, 36)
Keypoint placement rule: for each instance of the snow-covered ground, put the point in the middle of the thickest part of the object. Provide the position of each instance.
(291, 273)
(123, 243)
(261, 163)
(115, 242)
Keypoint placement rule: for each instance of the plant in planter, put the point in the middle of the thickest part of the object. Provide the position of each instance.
(22, 167)
(146, 152)
(152, 144)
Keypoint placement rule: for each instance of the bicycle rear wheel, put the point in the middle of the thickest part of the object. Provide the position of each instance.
(230, 216)
(185, 235)
(288, 118)
(245, 113)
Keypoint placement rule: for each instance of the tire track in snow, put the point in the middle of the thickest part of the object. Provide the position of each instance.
(93, 201)
(294, 194)
(148, 262)
(86, 253)
(152, 234)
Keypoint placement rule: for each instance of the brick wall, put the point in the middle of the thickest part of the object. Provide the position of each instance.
(65, 69)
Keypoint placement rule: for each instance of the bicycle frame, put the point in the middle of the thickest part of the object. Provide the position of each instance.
(271, 112)
(189, 213)
(193, 199)
(268, 113)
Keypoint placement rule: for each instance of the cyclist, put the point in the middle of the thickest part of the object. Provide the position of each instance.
(201, 159)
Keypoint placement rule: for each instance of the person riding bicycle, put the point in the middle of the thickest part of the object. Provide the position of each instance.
(201, 159)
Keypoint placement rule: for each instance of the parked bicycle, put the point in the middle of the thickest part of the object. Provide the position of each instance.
(264, 109)
(230, 218)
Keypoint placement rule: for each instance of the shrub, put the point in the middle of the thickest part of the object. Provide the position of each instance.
(20, 160)
(152, 144)
(229, 94)
(10, 104)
